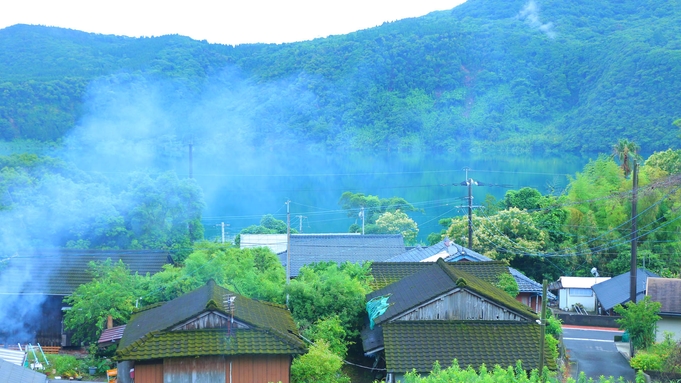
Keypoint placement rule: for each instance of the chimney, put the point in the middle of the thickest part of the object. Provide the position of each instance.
(109, 322)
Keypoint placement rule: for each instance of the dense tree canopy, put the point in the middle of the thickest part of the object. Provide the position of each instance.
(483, 76)
(47, 202)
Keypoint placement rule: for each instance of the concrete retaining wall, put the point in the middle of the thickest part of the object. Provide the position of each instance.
(587, 320)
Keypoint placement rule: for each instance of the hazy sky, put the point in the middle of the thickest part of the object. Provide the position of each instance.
(226, 22)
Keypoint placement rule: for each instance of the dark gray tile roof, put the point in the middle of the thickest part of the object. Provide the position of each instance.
(309, 248)
(528, 285)
(615, 290)
(666, 291)
(418, 253)
(61, 271)
(418, 344)
(16, 374)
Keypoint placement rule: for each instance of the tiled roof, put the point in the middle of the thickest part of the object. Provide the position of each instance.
(527, 285)
(17, 374)
(386, 273)
(61, 271)
(666, 291)
(616, 290)
(418, 253)
(418, 344)
(146, 336)
(111, 334)
(435, 280)
(309, 248)
(168, 344)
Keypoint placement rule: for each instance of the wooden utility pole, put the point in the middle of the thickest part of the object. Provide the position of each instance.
(542, 340)
(288, 242)
(634, 234)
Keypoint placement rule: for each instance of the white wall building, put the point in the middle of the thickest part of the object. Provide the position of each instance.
(574, 290)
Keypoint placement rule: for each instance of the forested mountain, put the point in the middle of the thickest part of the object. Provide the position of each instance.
(489, 74)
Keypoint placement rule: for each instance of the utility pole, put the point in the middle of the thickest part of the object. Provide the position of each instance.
(543, 329)
(300, 222)
(361, 215)
(470, 183)
(222, 225)
(288, 243)
(634, 234)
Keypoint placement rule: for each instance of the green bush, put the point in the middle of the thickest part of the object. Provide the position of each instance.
(319, 365)
(647, 361)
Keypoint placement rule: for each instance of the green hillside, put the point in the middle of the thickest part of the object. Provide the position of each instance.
(490, 74)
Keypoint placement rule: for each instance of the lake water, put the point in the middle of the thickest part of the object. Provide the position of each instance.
(241, 185)
(314, 183)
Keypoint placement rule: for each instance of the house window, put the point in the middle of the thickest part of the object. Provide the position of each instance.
(581, 292)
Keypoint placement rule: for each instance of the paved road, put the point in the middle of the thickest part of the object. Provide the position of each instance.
(596, 354)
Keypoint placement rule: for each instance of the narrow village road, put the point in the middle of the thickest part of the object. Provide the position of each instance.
(595, 353)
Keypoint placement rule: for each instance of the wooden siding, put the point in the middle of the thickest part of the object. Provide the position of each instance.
(259, 369)
(210, 320)
(149, 372)
(460, 305)
(205, 369)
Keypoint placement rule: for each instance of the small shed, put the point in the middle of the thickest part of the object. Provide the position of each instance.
(576, 290)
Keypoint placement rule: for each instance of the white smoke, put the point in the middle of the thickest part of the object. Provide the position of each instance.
(530, 14)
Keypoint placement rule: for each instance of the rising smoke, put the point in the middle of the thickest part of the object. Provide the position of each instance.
(530, 14)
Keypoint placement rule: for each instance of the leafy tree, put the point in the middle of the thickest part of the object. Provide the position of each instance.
(454, 373)
(113, 291)
(397, 223)
(507, 283)
(319, 365)
(523, 199)
(268, 225)
(331, 331)
(506, 235)
(668, 161)
(255, 273)
(326, 289)
(373, 206)
(627, 152)
(640, 321)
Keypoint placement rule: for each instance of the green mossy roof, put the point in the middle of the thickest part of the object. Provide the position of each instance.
(418, 344)
(148, 333)
(386, 273)
(437, 279)
(169, 344)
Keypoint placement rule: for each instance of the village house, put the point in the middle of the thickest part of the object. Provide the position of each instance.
(210, 335)
(529, 291)
(667, 291)
(440, 313)
(35, 284)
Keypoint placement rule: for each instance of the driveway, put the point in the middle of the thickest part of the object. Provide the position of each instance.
(595, 353)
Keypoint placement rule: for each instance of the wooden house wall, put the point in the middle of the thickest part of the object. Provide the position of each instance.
(260, 369)
(193, 370)
(210, 320)
(460, 305)
(216, 369)
(149, 372)
(533, 300)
